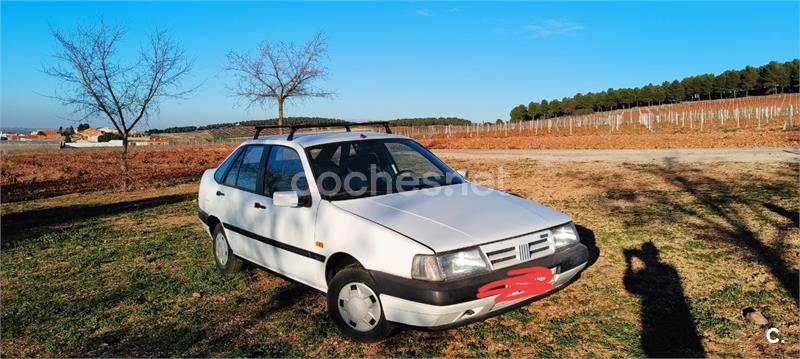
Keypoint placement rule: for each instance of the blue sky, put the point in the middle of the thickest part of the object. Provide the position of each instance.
(409, 59)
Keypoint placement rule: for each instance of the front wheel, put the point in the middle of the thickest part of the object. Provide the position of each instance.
(355, 307)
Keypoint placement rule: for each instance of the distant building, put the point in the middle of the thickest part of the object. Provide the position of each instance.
(147, 141)
(21, 137)
(46, 133)
(49, 134)
(89, 134)
(37, 135)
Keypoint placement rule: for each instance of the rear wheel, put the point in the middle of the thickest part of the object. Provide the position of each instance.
(223, 256)
(355, 306)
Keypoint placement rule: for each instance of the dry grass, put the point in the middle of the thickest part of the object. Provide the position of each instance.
(119, 282)
(40, 174)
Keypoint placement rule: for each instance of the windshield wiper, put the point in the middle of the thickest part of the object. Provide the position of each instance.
(429, 183)
(345, 195)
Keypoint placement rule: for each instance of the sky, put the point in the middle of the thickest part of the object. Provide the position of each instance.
(390, 60)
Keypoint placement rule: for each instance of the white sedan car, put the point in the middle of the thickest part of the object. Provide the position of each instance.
(390, 232)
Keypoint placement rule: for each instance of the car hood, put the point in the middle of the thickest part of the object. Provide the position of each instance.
(455, 216)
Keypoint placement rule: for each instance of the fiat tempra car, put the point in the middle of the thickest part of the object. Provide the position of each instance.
(387, 230)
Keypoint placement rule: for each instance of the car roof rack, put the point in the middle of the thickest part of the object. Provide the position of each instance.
(346, 125)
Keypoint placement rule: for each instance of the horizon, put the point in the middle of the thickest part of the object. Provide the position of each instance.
(423, 59)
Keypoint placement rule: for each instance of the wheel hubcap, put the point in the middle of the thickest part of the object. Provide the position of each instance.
(221, 249)
(359, 307)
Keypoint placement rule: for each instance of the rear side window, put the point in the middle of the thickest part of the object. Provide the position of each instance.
(248, 170)
(223, 168)
(233, 173)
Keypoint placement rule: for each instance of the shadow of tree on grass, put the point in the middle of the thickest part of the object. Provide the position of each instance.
(28, 224)
(724, 213)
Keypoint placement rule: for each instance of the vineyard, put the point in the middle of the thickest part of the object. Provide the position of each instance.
(757, 121)
(769, 121)
(777, 111)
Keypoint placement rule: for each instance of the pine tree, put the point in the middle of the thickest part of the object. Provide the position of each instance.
(749, 79)
(518, 114)
(794, 75)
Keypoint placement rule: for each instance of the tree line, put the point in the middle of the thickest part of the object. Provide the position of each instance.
(772, 78)
(422, 121)
(273, 121)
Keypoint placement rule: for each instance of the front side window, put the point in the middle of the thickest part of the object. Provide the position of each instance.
(411, 161)
(284, 172)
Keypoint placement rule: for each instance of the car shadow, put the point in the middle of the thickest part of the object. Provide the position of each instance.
(285, 297)
(588, 239)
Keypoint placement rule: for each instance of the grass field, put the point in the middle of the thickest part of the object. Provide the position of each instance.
(132, 274)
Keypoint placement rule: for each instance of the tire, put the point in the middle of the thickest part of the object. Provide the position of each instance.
(227, 262)
(363, 300)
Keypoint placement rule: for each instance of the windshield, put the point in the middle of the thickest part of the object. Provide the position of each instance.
(347, 170)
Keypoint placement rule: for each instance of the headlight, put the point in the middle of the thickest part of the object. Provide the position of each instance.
(565, 235)
(448, 266)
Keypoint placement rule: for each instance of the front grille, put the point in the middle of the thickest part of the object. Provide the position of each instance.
(508, 252)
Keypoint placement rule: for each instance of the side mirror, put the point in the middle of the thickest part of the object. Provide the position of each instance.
(285, 199)
(464, 173)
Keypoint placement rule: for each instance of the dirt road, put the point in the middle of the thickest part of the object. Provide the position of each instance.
(704, 155)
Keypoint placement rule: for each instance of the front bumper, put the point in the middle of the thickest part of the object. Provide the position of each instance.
(440, 305)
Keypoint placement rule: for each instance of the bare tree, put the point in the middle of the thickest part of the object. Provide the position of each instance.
(99, 83)
(280, 71)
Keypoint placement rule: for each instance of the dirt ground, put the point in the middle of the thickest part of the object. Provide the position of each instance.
(631, 140)
(700, 155)
(678, 251)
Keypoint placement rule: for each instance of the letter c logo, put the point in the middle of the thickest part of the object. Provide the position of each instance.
(770, 338)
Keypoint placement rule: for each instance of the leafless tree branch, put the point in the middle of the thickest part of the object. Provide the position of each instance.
(280, 71)
(100, 83)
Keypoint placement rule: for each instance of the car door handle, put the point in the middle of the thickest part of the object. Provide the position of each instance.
(259, 206)
(220, 193)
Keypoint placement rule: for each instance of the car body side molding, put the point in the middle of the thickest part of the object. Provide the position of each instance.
(274, 243)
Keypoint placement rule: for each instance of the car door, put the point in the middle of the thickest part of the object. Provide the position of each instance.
(212, 198)
(242, 206)
(288, 245)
